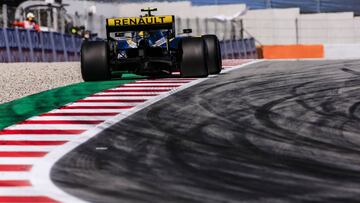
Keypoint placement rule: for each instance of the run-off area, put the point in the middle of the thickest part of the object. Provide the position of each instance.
(273, 131)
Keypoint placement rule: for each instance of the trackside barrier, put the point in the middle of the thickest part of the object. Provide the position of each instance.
(14, 53)
(48, 51)
(37, 46)
(25, 45)
(238, 49)
(313, 51)
(296, 51)
(341, 51)
(59, 47)
(3, 48)
(19, 45)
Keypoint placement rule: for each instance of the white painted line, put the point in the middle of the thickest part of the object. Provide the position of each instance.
(152, 84)
(119, 97)
(105, 104)
(25, 148)
(128, 93)
(240, 66)
(70, 118)
(168, 79)
(20, 191)
(16, 160)
(38, 137)
(51, 127)
(172, 80)
(88, 110)
(14, 175)
(142, 88)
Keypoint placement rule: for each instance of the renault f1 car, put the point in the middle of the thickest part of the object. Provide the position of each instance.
(148, 45)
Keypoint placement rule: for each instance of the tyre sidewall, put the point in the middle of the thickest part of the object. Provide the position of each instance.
(213, 60)
(95, 61)
(193, 55)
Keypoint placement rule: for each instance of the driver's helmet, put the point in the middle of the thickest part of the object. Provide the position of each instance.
(141, 34)
(153, 37)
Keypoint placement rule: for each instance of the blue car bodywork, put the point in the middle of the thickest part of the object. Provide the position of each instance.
(123, 44)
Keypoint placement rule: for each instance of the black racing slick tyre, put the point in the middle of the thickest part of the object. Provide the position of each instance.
(192, 57)
(213, 60)
(95, 61)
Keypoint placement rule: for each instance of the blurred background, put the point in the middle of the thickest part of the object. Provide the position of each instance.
(269, 21)
(262, 22)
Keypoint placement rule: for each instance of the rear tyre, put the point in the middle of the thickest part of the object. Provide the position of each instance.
(213, 60)
(94, 61)
(192, 57)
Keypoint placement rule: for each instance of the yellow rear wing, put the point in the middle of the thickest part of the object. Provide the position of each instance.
(140, 23)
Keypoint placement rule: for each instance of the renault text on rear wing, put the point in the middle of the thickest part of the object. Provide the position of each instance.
(139, 23)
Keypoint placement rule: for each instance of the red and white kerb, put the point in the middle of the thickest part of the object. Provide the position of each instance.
(30, 148)
(24, 144)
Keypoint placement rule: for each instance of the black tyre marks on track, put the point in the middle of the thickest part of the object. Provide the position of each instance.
(275, 132)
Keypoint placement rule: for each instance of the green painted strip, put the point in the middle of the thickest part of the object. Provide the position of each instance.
(36, 104)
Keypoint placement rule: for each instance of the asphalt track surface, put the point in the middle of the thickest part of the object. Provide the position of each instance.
(271, 132)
